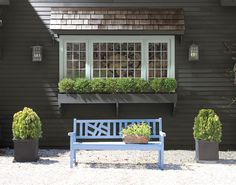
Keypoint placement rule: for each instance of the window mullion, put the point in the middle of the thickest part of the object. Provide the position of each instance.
(65, 60)
(144, 68)
(89, 61)
(62, 59)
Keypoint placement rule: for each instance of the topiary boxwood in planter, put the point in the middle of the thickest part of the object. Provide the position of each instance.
(26, 128)
(207, 133)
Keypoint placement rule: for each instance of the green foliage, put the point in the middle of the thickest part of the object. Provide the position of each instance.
(141, 85)
(117, 85)
(157, 84)
(82, 85)
(163, 85)
(125, 85)
(66, 85)
(207, 126)
(142, 129)
(169, 85)
(26, 125)
(110, 85)
(97, 85)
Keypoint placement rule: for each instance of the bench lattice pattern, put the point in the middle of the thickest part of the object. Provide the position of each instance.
(106, 129)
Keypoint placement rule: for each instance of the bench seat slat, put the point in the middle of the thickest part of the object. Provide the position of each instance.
(110, 137)
(151, 146)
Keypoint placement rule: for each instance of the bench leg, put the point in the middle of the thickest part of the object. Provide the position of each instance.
(71, 158)
(161, 159)
(75, 157)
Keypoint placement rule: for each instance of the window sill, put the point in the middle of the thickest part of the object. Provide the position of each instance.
(117, 99)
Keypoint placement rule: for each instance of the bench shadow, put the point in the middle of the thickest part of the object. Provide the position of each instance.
(150, 166)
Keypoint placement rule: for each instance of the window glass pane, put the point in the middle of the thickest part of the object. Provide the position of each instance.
(158, 58)
(69, 46)
(124, 46)
(137, 46)
(117, 60)
(95, 46)
(82, 47)
(138, 64)
(76, 59)
(69, 55)
(76, 47)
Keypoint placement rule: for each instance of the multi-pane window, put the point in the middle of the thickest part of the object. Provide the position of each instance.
(117, 60)
(158, 59)
(76, 59)
(101, 56)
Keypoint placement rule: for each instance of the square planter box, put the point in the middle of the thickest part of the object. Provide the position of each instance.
(206, 150)
(26, 150)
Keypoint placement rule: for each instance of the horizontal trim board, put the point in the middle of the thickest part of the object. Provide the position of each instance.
(4, 2)
(118, 32)
(228, 2)
(127, 4)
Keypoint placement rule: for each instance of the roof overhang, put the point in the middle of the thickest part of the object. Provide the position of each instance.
(117, 20)
(4, 2)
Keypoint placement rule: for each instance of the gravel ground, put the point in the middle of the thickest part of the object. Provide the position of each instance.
(117, 168)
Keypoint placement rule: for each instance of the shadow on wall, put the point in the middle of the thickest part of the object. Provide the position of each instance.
(24, 83)
(126, 111)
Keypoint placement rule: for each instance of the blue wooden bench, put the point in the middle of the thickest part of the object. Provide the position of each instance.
(111, 129)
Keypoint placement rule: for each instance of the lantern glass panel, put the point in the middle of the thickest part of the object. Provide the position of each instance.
(193, 52)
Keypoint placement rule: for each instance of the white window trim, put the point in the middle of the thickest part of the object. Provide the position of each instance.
(89, 40)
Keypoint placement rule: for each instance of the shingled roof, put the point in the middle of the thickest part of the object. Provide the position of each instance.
(117, 19)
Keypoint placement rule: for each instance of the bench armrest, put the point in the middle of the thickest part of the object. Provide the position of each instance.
(162, 134)
(71, 134)
(72, 137)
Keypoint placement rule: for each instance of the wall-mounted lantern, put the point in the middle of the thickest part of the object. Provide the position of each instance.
(193, 52)
(37, 53)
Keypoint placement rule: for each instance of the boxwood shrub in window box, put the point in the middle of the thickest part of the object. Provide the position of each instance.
(207, 133)
(117, 91)
(117, 86)
(26, 128)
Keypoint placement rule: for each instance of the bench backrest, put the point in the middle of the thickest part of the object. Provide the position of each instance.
(111, 129)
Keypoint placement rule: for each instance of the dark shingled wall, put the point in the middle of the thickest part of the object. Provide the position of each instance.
(203, 84)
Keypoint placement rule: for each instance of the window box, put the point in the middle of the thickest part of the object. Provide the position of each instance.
(228, 2)
(117, 99)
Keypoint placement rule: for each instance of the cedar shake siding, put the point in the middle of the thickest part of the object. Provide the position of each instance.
(164, 20)
(202, 84)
